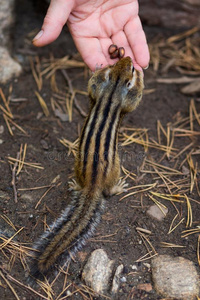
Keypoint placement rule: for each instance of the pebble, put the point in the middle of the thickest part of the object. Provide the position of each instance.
(98, 271)
(28, 197)
(116, 279)
(1, 129)
(44, 144)
(123, 279)
(147, 265)
(69, 293)
(155, 212)
(175, 277)
(39, 115)
(185, 170)
(62, 116)
(134, 267)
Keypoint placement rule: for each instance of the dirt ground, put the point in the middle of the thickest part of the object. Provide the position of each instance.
(161, 170)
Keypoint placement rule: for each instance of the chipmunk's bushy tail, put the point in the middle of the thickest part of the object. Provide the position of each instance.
(66, 235)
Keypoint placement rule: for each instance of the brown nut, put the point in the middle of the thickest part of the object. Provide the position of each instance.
(115, 54)
(121, 52)
(112, 49)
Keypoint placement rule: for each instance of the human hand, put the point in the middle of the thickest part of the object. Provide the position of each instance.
(94, 26)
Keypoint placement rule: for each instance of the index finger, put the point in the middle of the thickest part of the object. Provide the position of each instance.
(56, 17)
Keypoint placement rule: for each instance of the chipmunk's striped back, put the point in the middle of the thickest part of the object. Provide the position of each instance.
(113, 91)
(97, 149)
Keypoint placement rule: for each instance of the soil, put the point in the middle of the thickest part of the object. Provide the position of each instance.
(117, 233)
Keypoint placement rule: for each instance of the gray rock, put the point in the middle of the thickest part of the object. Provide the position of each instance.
(1, 129)
(175, 277)
(155, 212)
(6, 20)
(116, 279)
(98, 271)
(8, 67)
(44, 144)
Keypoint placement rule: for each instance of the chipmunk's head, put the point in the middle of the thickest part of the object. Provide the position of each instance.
(121, 81)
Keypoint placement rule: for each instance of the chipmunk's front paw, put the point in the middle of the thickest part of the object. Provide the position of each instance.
(74, 186)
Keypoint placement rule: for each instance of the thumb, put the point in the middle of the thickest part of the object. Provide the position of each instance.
(56, 17)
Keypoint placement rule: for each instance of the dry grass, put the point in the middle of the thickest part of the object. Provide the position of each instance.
(7, 114)
(179, 179)
(43, 104)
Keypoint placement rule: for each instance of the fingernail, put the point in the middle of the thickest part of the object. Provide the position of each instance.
(40, 33)
(146, 67)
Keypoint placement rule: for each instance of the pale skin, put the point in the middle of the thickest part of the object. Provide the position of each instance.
(94, 26)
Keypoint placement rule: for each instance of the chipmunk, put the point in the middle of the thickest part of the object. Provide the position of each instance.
(113, 91)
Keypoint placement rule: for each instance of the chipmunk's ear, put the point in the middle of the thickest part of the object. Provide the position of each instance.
(107, 75)
(98, 82)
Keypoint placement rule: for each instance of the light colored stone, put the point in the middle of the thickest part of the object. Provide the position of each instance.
(155, 212)
(8, 67)
(39, 115)
(116, 279)
(28, 197)
(98, 271)
(147, 265)
(6, 19)
(185, 170)
(63, 117)
(134, 267)
(123, 279)
(1, 129)
(175, 277)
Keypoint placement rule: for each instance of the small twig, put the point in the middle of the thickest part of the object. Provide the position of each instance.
(35, 188)
(32, 165)
(40, 200)
(76, 104)
(13, 182)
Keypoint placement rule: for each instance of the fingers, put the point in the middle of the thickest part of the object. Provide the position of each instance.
(94, 51)
(57, 15)
(137, 40)
(120, 40)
